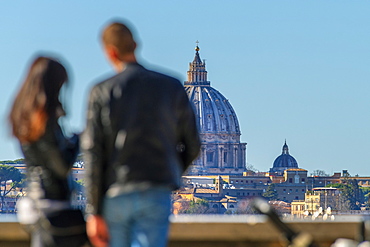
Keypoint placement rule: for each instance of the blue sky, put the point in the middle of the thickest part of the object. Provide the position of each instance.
(294, 70)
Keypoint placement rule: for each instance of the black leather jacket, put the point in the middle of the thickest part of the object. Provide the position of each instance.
(140, 129)
(49, 161)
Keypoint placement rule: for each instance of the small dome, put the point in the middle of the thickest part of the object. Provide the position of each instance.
(284, 161)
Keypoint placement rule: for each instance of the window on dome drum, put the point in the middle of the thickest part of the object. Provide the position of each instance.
(210, 156)
(225, 157)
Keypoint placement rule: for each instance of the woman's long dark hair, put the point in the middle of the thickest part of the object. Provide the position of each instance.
(38, 99)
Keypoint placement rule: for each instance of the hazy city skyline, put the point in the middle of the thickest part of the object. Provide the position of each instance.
(291, 70)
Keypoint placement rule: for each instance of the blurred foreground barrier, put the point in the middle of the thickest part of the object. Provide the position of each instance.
(226, 230)
(249, 230)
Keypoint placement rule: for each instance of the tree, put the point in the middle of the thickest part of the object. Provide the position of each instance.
(12, 175)
(251, 168)
(17, 161)
(366, 193)
(199, 206)
(271, 193)
(319, 173)
(351, 195)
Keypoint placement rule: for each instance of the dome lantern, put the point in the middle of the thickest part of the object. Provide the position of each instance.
(197, 73)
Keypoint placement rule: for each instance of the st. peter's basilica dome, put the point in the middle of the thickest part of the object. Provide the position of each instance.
(221, 152)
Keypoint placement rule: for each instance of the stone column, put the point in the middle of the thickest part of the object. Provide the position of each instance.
(220, 157)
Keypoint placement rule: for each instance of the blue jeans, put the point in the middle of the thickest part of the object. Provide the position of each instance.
(140, 217)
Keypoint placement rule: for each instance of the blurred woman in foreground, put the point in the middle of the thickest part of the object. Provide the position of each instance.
(49, 155)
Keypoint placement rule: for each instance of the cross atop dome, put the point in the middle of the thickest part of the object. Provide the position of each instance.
(197, 47)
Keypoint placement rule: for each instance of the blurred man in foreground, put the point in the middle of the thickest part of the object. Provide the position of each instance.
(140, 137)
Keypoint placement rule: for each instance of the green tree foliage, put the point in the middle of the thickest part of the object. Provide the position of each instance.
(351, 195)
(200, 206)
(366, 193)
(9, 174)
(79, 185)
(271, 193)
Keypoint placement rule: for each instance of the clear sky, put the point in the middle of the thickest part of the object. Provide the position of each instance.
(294, 70)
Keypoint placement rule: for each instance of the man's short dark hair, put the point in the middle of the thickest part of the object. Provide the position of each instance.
(120, 36)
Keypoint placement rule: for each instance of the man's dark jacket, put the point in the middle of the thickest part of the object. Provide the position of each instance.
(140, 129)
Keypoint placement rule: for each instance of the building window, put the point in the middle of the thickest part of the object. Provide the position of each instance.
(210, 156)
(303, 180)
(225, 157)
(246, 181)
(290, 180)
